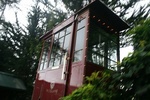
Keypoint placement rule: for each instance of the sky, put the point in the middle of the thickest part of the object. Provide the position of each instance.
(25, 7)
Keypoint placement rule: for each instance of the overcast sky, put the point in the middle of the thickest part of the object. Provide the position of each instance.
(25, 7)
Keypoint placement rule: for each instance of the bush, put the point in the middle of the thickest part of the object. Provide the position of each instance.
(97, 87)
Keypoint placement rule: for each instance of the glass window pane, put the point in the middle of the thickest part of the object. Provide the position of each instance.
(45, 65)
(57, 61)
(112, 65)
(112, 51)
(66, 43)
(102, 47)
(69, 29)
(44, 58)
(41, 66)
(56, 36)
(62, 33)
(80, 39)
(81, 23)
(56, 47)
(62, 58)
(78, 56)
(51, 63)
(52, 56)
(61, 41)
(59, 47)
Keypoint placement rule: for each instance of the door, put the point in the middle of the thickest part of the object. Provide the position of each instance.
(62, 67)
(54, 63)
(75, 77)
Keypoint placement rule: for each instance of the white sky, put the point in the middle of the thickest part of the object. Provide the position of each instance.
(25, 7)
(125, 51)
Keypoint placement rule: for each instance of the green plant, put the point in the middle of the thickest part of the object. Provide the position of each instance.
(96, 88)
(134, 81)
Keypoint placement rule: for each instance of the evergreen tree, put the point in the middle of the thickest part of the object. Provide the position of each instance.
(20, 47)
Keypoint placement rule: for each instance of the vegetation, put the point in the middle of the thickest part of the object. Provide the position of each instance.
(96, 88)
(136, 68)
(20, 48)
(131, 83)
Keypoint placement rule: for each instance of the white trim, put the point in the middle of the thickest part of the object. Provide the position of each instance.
(55, 67)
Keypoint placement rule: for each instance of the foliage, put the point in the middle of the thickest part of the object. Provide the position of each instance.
(131, 83)
(127, 10)
(19, 54)
(20, 47)
(120, 7)
(134, 80)
(96, 88)
(20, 50)
(140, 34)
(74, 5)
(50, 15)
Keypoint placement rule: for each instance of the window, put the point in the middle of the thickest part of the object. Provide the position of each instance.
(102, 47)
(79, 40)
(60, 46)
(44, 58)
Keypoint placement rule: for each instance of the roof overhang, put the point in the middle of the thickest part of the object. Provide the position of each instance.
(108, 15)
(105, 14)
(10, 81)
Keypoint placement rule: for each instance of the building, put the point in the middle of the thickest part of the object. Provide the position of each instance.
(10, 85)
(86, 42)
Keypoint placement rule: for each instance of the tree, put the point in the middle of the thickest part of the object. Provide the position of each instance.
(121, 8)
(134, 78)
(20, 47)
(10, 45)
(51, 14)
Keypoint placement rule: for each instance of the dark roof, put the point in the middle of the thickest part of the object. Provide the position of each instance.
(10, 81)
(104, 13)
(108, 15)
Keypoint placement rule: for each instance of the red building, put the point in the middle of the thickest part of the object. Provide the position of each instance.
(86, 42)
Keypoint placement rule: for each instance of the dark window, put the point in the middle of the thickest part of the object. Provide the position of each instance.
(102, 47)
